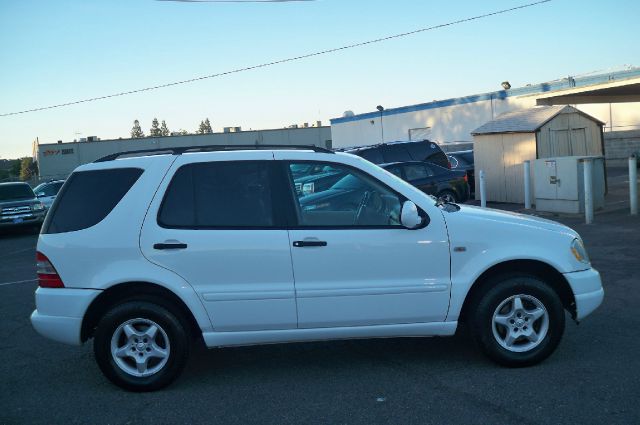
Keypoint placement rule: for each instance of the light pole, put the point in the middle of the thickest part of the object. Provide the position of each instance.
(381, 109)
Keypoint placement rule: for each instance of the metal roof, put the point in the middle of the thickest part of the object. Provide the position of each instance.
(527, 120)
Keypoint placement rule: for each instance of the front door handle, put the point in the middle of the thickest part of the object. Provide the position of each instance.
(175, 245)
(302, 244)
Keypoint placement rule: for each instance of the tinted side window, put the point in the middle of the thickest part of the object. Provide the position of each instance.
(233, 194)
(88, 197)
(396, 153)
(372, 155)
(419, 151)
(417, 172)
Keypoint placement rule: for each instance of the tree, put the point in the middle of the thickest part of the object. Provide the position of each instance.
(183, 132)
(207, 126)
(14, 170)
(164, 130)
(136, 131)
(28, 168)
(155, 128)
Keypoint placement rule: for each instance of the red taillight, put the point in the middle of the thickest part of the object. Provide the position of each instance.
(449, 164)
(47, 275)
(466, 177)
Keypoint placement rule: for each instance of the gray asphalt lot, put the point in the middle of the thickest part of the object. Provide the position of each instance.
(593, 378)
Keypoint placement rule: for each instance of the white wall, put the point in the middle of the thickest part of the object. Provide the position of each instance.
(455, 123)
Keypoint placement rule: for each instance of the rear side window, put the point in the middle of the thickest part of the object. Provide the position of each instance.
(396, 153)
(207, 195)
(372, 155)
(88, 197)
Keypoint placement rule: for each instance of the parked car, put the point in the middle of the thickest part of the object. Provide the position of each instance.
(402, 151)
(219, 246)
(19, 206)
(319, 179)
(463, 160)
(47, 192)
(442, 183)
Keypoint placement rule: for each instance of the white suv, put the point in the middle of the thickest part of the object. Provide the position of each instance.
(144, 253)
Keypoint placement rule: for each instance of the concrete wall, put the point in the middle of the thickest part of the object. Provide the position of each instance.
(58, 160)
(619, 145)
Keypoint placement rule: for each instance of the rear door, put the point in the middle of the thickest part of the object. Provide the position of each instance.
(215, 222)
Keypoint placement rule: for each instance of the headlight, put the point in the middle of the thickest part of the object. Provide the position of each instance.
(578, 251)
(37, 207)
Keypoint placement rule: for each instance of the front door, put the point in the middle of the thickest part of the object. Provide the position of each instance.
(218, 227)
(355, 265)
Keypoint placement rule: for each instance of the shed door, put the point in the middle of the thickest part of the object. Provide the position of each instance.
(579, 142)
(560, 143)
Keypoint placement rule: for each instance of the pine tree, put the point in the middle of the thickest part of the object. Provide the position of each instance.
(164, 130)
(202, 128)
(207, 126)
(136, 131)
(155, 128)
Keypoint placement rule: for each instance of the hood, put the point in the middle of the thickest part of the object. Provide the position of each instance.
(501, 216)
(18, 203)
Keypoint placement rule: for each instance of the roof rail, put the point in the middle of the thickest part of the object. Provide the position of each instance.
(210, 148)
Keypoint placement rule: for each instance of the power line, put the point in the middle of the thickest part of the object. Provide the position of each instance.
(281, 61)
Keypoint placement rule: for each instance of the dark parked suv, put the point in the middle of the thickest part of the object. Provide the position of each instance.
(19, 206)
(447, 185)
(403, 151)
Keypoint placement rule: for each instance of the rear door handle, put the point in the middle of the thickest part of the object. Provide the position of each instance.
(302, 244)
(176, 245)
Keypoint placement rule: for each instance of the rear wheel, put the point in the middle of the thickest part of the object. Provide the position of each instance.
(518, 322)
(141, 346)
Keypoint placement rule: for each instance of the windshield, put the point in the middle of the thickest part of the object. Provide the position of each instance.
(15, 191)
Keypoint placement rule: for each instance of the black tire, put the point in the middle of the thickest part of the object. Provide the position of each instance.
(448, 193)
(492, 338)
(171, 327)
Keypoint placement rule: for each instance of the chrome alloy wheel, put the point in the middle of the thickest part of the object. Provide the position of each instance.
(520, 323)
(140, 347)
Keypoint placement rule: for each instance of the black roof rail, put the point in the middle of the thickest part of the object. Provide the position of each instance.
(210, 148)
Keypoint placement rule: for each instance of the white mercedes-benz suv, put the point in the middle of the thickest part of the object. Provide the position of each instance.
(145, 251)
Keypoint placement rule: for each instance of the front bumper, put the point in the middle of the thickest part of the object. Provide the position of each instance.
(587, 290)
(59, 313)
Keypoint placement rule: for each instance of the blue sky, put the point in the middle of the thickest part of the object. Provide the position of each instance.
(59, 51)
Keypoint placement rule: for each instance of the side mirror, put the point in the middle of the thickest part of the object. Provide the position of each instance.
(40, 194)
(409, 216)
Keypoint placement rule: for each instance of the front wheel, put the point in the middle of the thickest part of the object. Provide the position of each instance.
(141, 346)
(518, 322)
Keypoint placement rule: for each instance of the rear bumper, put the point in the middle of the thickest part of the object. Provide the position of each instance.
(587, 290)
(59, 313)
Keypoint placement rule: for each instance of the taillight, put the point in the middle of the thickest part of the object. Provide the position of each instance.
(449, 164)
(47, 275)
(466, 177)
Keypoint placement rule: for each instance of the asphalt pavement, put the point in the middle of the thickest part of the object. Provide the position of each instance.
(593, 377)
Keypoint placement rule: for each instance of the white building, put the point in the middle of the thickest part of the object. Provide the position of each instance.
(613, 98)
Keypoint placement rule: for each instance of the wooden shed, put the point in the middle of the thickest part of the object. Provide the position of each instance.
(501, 146)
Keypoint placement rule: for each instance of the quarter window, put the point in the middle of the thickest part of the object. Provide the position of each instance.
(354, 200)
(219, 195)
